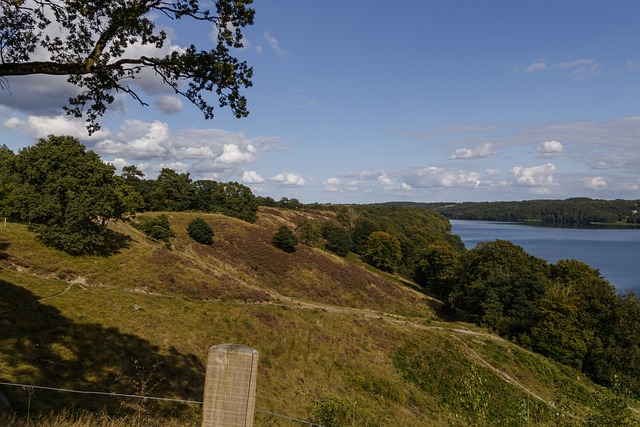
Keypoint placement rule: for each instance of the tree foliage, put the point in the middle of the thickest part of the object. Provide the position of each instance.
(91, 41)
(285, 239)
(382, 250)
(200, 231)
(156, 227)
(308, 232)
(67, 193)
(337, 238)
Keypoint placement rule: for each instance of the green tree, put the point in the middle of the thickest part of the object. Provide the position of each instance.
(382, 250)
(437, 269)
(173, 191)
(285, 239)
(200, 231)
(88, 41)
(6, 156)
(308, 232)
(66, 192)
(337, 238)
(502, 284)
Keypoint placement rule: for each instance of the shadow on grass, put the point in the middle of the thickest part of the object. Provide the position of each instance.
(3, 247)
(39, 346)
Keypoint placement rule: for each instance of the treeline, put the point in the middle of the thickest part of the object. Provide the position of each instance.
(565, 311)
(68, 194)
(569, 212)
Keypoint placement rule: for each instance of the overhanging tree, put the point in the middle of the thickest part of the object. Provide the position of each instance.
(91, 41)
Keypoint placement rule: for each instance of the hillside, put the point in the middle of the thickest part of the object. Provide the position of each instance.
(339, 342)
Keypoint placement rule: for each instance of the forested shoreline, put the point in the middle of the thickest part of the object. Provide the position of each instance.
(579, 211)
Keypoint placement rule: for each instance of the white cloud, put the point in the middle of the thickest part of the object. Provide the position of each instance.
(141, 141)
(275, 44)
(289, 179)
(579, 68)
(169, 104)
(479, 152)
(332, 184)
(535, 176)
(232, 154)
(252, 177)
(596, 183)
(534, 67)
(435, 177)
(43, 126)
(550, 149)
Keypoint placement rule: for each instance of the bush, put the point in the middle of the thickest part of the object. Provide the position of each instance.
(285, 239)
(200, 231)
(157, 228)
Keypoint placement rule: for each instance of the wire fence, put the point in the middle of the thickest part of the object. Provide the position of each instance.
(155, 398)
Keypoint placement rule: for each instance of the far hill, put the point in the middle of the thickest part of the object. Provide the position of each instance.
(570, 212)
(340, 342)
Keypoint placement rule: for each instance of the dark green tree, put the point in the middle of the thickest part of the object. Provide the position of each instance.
(337, 238)
(67, 193)
(87, 41)
(382, 250)
(172, 191)
(308, 232)
(502, 284)
(6, 157)
(437, 269)
(285, 239)
(200, 231)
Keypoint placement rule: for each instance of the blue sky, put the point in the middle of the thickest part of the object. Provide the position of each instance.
(359, 101)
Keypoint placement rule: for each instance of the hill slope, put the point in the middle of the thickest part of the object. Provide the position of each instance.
(338, 341)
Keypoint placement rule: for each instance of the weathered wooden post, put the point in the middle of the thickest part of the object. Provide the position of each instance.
(230, 386)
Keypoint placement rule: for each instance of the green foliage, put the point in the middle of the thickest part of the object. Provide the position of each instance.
(66, 192)
(156, 227)
(437, 269)
(337, 238)
(575, 211)
(309, 232)
(502, 284)
(91, 39)
(172, 191)
(231, 199)
(200, 231)
(285, 239)
(382, 250)
(613, 410)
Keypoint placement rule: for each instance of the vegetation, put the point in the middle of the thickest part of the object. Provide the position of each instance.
(67, 194)
(285, 239)
(200, 231)
(570, 212)
(157, 228)
(90, 47)
(392, 361)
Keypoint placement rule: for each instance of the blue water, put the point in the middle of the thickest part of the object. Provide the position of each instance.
(612, 251)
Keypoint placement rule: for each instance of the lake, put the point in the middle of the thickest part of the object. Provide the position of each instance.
(612, 251)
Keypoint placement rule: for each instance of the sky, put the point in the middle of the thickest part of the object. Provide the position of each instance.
(358, 101)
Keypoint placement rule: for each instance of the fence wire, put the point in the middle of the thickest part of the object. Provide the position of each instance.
(135, 396)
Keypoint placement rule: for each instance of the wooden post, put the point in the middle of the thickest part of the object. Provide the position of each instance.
(230, 386)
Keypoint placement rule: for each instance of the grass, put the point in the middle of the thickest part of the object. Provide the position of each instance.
(337, 342)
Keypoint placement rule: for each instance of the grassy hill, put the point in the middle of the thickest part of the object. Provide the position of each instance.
(340, 343)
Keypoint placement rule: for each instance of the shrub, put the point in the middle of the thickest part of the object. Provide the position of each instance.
(285, 239)
(200, 231)
(157, 228)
